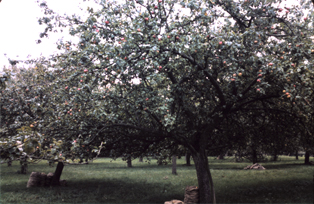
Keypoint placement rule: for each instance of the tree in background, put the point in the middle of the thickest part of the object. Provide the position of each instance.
(18, 136)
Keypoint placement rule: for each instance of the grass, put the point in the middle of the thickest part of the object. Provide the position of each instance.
(285, 181)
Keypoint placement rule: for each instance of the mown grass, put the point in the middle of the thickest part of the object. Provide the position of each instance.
(285, 181)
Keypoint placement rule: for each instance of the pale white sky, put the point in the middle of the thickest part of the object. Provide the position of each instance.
(19, 28)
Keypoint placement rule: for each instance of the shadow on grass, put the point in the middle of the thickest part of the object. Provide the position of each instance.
(267, 166)
(219, 165)
(284, 166)
(99, 191)
(288, 191)
(225, 165)
(125, 190)
(119, 185)
(137, 165)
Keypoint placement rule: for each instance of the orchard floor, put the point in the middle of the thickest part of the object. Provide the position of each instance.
(106, 181)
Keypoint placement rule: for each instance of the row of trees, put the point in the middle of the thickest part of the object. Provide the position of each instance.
(158, 76)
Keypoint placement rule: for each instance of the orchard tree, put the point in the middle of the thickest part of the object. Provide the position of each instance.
(18, 139)
(24, 104)
(169, 72)
(306, 113)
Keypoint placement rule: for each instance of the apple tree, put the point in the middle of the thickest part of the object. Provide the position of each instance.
(17, 119)
(152, 74)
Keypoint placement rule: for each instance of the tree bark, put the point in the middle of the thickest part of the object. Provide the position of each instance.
(297, 155)
(10, 162)
(221, 156)
(307, 157)
(129, 162)
(140, 159)
(24, 165)
(275, 156)
(188, 158)
(174, 164)
(205, 182)
(50, 163)
(56, 177)
(254, 156)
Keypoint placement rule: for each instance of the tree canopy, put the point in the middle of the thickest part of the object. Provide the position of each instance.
(151, 75)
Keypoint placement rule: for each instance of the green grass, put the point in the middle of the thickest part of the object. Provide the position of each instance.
(285, 181)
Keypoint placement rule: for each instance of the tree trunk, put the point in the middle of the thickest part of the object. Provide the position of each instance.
(50, 163)
(129, 162)
(159, 162)
(307, 157)
(24, 166)
(205, 182)
(221, 156)
(140, 159)
(56, 177)
(254, 156)
(275, 156)
(174, 164)
(10, 162)
(297, 155)
(188, 158)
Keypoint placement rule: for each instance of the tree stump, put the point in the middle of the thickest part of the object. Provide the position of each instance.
(43, 179)
(34, 180)
(37, 179)
(191, 195)
(49, 179)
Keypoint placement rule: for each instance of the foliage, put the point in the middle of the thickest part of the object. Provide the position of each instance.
(149, 76)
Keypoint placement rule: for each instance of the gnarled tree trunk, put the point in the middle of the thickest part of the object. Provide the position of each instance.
(297, 155)
(205, 182)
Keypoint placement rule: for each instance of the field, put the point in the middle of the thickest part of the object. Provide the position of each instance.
(106, 181)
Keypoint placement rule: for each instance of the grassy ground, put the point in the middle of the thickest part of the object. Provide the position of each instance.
(285, 181)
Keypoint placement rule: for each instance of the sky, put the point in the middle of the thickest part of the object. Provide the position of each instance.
(19, 28)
